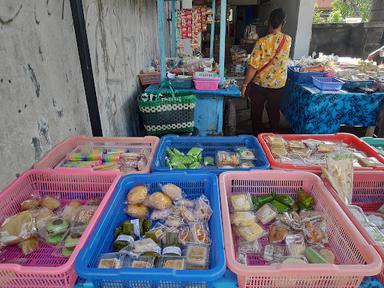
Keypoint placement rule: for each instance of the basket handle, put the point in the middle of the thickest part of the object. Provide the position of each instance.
(165, 84)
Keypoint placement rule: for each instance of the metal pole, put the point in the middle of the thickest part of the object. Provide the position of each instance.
(212, 29)
(223, 20)
(173, 47)
(160, 23)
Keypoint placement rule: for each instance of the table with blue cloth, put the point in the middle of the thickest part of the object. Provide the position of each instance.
(312, 111)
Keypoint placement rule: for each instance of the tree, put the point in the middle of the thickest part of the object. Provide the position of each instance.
(335, 17)
(353, 8)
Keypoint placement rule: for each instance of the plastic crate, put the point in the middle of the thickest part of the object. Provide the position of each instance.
(58, 153)
(103, 236)
(149, 78)
(355, 258)
(347, 138)
(368, 193)
(303, 77)
(211, 146)
(43, 268)
(206, 85)
(181, 83)
(208, 76)
(377, 143)
(327, 84)
(351, 85)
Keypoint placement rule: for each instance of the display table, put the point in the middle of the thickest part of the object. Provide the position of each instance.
(209, 108)
(312, 111)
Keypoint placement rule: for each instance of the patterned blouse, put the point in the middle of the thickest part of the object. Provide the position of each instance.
(275, 75)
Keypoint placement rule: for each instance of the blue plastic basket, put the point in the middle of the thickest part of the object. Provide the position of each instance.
(181, 83)
(101, 239)
(303, 77)
(351, 85)
(327, 84)
(211, 146)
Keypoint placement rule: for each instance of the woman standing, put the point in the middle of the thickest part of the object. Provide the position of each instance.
(267, 73)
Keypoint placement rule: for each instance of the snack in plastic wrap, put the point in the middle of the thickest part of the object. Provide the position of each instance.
(277, 233)
(29, 246)
(277, 145)
(328, 255)
(85, 214)
(160, 214)
(247, 164)
(172, 191)
(209, 161)
(173, 221)
(305, 200)
(296, 144)
(376, 219)
(185, 235)
(244, 248)
(185, 202)
(243, 218)
(266, 214)
(259, 201)
(173, 262)
(294, 260)
(158, 231)
(110, 261)
(251, 232)
(339, 172)
(160, 201)
(359, 214)
(203, 210)
(137, 195)
(279, 207)
(199, 232)
(268, 252)
(327, 148)
(187, 214)
(375, 234)
(315, 230)
(50, 203)
(137, 211)
(140, 262)
(57, 226)
(245, 153)
(295, 244)
(241, 202)
(313, 256)
(197, 256)
(146, 245)
(195, 152)
(29, 204)
(369, 162)
(225, 158)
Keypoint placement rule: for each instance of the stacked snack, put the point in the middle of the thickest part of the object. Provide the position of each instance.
(107, 158)
(275, 228)
(165, 230)
(241, 157)
(48, 221)
(315, 152)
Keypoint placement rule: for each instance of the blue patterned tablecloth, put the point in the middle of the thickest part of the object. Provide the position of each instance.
(312, 111)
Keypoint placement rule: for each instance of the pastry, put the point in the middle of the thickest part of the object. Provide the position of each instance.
(137, 195)
(172, 191)
(199, 233)
(30, 245)
(50, 203)
(57, 226)
(266, 214)
(197, 256)
(251, 232)
(241, 202)
(85, 214)
(137, 211)
(29, 204)
(277, 233)
(160, 201)
(54, 239)
(243, 218)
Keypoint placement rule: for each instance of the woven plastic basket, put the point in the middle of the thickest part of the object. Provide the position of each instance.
(368, 193)
(133, 144)
(355, 258)
(43, 268)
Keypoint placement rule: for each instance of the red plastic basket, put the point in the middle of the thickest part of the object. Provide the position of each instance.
(355, 258)
(43, 268)
(60, 151)
(347, 138)
(368, 193)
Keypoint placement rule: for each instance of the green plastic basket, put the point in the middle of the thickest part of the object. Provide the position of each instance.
(377, 143)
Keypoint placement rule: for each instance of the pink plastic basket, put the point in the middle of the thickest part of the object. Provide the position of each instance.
(60, 151)
(368, 193)
(43, 268)
(355, 257)
(208, 85)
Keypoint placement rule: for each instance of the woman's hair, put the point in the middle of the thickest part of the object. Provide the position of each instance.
(277, 18)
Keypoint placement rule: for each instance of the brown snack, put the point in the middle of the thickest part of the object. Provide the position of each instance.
(186, 214)
(137, 195)
(184, 235)
(137, 211)
(199, 233)
(30, 245)
(86, 213)
(277, 233)
(74, 203)
(29, 204)
(50, 203)
(313, 233)
(173, 191)
(141, 264)
(177, 264)
(160, 201)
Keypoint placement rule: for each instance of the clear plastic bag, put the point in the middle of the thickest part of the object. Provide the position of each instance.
(203, 210)
(241, 202)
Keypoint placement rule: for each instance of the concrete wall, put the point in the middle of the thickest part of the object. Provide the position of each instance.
(122, 37)
(354, 40)
(41, 87)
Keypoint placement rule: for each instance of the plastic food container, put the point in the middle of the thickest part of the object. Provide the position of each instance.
(210, 146)
(101, 239)
(355, 257)
(327, 84)
(377, 143)
(368, 193)
(43, 268)
(134, 144)
(347, 138)
(303, 77)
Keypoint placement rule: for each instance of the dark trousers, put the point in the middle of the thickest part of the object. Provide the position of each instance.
(258, 96)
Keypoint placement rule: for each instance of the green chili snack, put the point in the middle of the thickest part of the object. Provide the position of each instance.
(280, 207)
(195, 165)
(195, 152)
(285, 199)
(305, 200)
(259, 201)
(209, 161)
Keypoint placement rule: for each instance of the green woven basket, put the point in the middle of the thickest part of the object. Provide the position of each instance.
(173, 113)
